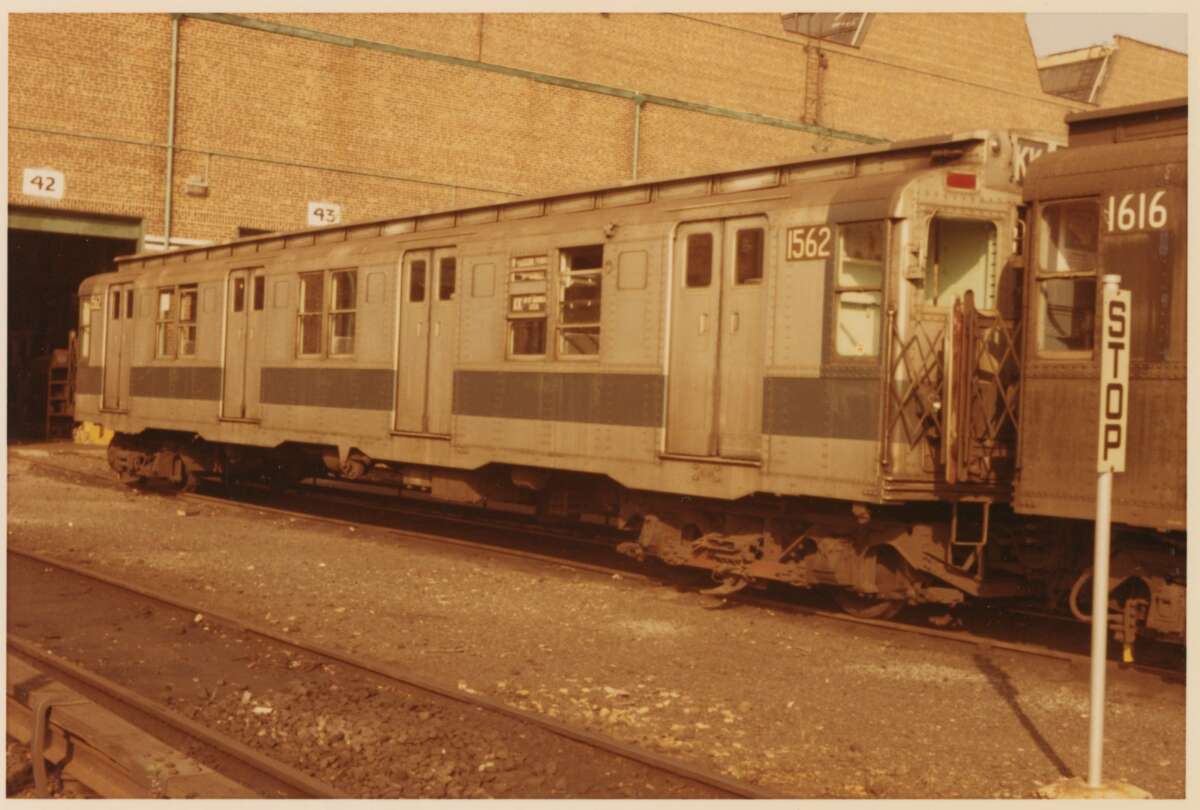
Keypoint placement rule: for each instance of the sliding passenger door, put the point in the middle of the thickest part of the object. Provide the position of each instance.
(428, 330)
(695, 315)
(715, 377)
(244, 306)
(739, 392)
(118, 340)
(443, 340)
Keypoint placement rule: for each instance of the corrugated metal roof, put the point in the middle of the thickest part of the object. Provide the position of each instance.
(1074, 80)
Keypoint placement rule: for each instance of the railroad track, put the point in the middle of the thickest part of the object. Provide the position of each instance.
(712, 785)
(112, 739)
(983, 643)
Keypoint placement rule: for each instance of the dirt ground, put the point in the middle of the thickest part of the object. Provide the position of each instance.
(804, 705)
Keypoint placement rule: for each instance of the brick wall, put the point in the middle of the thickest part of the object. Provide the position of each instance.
(273, 121)
(1140, 72)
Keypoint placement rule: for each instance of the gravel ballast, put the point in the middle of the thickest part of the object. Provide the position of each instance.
(803, 705)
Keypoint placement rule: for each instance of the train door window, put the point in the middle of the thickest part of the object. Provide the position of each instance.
(527, 314)
(341, 314)
(416, 281)
(165, 324)
(699, 260)
(447, 272)
(748, 265)
(260, 293)
(129, 303)
(312, 299)
(239, 294)
(87, 307)
(1066, 275)
(187, 320)
(858, 289)
(580, 286)
(961, 258)
(116, 305)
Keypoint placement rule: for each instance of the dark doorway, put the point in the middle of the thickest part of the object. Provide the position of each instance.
(44, 272)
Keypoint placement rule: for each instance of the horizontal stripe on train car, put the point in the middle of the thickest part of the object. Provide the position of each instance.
(368, 389)
(176, 382)
(828, 407)
(633, 400)
(87, 379)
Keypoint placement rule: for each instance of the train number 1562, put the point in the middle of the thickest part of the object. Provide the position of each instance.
(1136, 211)
(809, 242)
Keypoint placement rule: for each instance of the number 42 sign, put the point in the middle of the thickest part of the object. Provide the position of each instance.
(43, 182)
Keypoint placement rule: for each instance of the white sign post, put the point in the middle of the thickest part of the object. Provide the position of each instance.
(1114, 417)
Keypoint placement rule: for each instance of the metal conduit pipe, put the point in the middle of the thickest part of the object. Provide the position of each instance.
(637, 131)
(170, 171)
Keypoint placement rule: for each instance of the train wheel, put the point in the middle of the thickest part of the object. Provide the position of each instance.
(866, 607)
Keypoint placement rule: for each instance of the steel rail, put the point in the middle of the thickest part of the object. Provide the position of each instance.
(297, 783)
(732, 787)
(981, 642)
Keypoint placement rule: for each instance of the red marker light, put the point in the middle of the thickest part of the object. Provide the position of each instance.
(961, 180)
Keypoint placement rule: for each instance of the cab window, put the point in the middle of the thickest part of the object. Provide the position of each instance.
(858, 289)
(1067, 258)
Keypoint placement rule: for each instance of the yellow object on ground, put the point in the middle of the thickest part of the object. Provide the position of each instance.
(92, 433)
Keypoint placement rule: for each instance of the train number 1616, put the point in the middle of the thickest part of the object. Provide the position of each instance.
(809, 242)
(1136, 211)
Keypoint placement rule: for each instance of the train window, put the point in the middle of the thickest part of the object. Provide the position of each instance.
(1150, 285)
(86, 306)
(446, 278)
(239, 294)
(527, 300)
(699, 260)
(165, 324)
(858, 289)
(260, 293)
(116, 305)
(312, 300)
(1068, 240)
(129, 304)
(187, 320)
(341, 314)
(748, 263)
(580, 286)
(961, 259)
(416, 281)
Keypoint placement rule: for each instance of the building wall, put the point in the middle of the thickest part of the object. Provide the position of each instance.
(272, 121)
(1140, 72)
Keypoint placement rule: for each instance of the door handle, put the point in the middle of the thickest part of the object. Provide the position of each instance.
(437, 328)
(734, 322)
(703, 322)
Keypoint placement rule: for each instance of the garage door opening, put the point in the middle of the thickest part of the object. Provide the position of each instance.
(44, 272)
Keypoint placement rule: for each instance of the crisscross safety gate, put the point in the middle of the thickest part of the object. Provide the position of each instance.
(955, 385)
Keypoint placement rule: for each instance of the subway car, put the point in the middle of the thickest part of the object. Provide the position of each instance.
(815, 372)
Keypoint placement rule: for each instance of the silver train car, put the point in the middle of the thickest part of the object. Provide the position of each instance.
(807, 372)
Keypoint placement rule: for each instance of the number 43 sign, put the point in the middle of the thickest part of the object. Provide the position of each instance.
(324, 213)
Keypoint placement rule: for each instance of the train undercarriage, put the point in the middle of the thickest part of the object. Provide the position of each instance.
(874, 559)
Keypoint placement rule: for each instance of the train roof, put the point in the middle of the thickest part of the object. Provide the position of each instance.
(610, 196)
(1132, 122)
